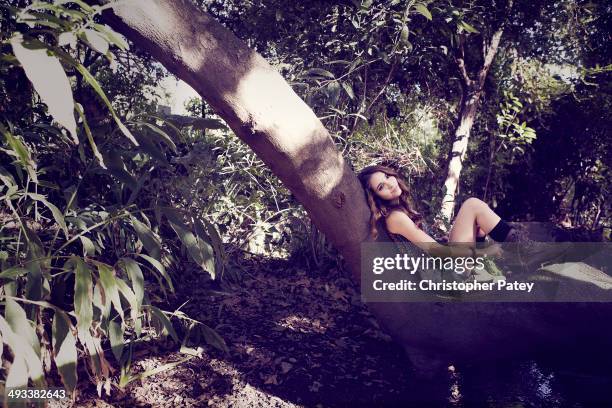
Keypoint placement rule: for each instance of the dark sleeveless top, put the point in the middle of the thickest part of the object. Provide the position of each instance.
(405, 246)
(438, 235)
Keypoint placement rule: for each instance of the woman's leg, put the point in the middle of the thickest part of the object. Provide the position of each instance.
(473, 214)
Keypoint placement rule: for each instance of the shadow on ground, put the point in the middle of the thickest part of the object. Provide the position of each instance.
(304, 339)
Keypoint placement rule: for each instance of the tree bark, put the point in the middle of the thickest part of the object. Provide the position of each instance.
(472, 93)
(260, 108)
(469, 108)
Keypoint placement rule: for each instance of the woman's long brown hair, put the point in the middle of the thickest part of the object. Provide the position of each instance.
(382, 208)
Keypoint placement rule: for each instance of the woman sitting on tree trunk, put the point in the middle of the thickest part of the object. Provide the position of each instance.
(387, 196)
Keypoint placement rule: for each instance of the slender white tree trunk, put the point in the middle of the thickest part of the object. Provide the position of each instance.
(472, 93)
(468, 112)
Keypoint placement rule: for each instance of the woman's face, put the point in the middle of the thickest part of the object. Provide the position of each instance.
(384, 186)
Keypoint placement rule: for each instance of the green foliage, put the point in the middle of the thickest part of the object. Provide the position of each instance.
(82, 223)
(513, 132)
(107, 206)
(368, 68)
(254, 212)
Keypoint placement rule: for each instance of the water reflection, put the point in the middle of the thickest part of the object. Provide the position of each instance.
(455, 394)
(530, 383)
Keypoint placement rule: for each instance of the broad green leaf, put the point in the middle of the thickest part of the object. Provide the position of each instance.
(24, 350)
(126, 365)
(163, 319)
(88, 246)
(113, 36)
(6, 177)
(160, 268)
(10, 192)
(116, 167)
(21, 152)
(13, 273)
(17, 319)
(164, 136)
(96, 86)
(75, 14)
(97, 42)
(86, 7)
(57, 214)
(100, 303)
(204, 228)
(213, 338)
(17, 377)
(468, 27)
(67, 38)
(135, 274)
(116, 339)
(148, 238)
(320, 72)
(50, 81)
(35, 265)
(199, 250)
(421, 9)
(348, 89)
(83, 294)
(33, 18)
(151, 148)
(129, 295)
(107, 278)
(64, 350)
(404, 33)
(89, 135)
(166, 119)
(172, 214)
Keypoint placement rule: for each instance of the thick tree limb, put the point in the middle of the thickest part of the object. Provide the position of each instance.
(491, 51)
(261, 109)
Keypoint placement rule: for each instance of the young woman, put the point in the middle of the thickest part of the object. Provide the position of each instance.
(387, 196)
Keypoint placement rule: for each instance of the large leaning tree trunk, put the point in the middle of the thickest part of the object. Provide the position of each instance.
(260, 107)
(267, 115)
(472, 90)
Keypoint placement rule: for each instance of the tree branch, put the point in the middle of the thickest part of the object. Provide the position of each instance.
(460, 60)
(490, 49)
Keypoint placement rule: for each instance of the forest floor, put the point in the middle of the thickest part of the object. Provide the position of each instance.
(294, 339)
(302, 339)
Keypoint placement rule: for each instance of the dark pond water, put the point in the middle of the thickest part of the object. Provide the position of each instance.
(545, 382)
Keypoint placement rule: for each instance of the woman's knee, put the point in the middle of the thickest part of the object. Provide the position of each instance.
(473, 203)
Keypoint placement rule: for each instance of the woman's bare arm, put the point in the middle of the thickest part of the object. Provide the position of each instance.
(400, 223)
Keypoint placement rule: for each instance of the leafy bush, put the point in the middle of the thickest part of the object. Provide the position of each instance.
(85, 227)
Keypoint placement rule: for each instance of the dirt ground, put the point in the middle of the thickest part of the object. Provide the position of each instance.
(295, 339)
